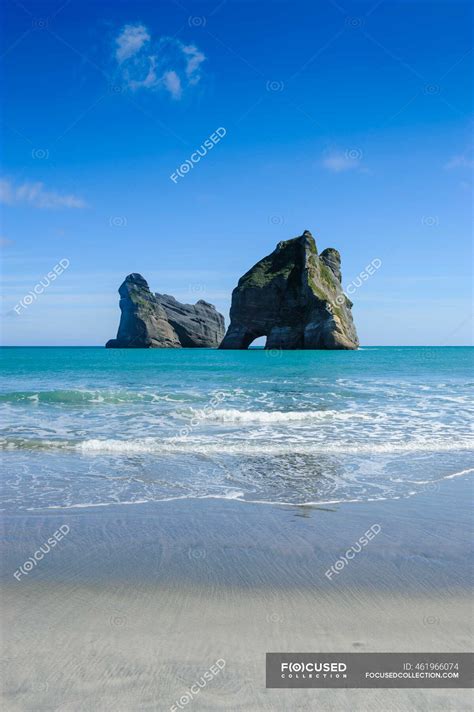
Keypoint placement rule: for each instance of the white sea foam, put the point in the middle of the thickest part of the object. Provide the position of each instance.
(461, 473)
(240, 496)
(237, 495)
(232, 415)
(250, 448)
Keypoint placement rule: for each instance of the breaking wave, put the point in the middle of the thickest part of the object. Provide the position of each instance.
(232, 415)
(204, 446)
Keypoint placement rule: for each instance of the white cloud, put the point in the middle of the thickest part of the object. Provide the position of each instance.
(460, 161)
(173, 84)
(130, 41)
(194, 60)
(338, 162)
(36, 195)
(165, 63)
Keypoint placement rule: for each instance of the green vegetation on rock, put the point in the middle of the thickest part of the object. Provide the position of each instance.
(292, 296)
(326, 275)
(282, 262)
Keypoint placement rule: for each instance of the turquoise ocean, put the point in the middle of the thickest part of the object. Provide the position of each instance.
(90, 427)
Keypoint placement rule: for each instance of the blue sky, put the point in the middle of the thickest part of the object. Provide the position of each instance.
(351, 119)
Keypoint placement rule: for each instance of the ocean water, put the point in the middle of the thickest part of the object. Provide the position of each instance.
(94, 427)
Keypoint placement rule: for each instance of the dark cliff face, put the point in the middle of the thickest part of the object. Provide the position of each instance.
(198, 325)
(159, 321)
(294, 298)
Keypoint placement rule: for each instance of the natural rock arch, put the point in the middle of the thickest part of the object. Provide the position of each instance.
(294, 297)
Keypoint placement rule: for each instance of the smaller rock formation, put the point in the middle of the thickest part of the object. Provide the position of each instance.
(294, 298)
(196, 326)
(159, 321)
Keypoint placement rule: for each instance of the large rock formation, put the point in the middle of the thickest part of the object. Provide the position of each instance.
(294, 298)
(159, 321)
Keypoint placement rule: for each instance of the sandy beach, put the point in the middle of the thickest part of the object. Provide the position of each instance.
(137, 602)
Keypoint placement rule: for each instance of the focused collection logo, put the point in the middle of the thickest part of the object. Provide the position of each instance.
(312, 669)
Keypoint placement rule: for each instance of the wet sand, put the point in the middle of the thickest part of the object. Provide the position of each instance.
(136, 603)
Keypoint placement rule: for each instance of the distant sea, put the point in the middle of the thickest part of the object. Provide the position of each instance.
(90, 427)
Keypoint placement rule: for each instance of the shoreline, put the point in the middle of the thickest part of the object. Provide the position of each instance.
(285, 545)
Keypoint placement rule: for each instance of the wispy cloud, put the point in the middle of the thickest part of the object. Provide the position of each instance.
(130, 41)
(339, 161)
(173, 84)
(462, 160)
(36, 195)
(194, 60)
(164, 63)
